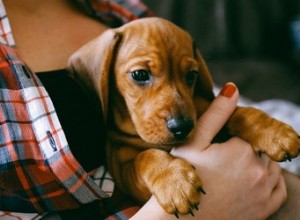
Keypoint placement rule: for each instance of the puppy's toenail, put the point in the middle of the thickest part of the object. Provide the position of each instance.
(191, 213)
(200, 189)
(259, 153)
(287, 156)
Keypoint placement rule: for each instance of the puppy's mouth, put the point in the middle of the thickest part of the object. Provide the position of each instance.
(176, 131)
(173, 143)
(179, 131)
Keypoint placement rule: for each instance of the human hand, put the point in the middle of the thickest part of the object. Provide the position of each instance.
(290, 209)
(239, 185)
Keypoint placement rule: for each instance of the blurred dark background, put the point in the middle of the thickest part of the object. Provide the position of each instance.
(255, 44)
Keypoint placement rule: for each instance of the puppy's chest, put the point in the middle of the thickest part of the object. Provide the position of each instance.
(124, 147)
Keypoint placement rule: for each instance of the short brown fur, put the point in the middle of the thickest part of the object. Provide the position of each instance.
(136, 115)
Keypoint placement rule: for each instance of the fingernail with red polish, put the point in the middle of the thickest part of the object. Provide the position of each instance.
(228, 90)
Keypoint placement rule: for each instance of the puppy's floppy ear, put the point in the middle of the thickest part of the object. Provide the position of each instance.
(204, 84)
(92, 64)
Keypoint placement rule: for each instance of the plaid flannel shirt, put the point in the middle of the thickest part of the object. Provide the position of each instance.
(38, 172)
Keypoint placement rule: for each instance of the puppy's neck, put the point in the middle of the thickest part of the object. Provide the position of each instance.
(127, 140)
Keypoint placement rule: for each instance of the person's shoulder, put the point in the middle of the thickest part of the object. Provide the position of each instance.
(115, 13)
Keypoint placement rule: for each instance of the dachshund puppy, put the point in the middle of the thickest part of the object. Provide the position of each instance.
(153, 85)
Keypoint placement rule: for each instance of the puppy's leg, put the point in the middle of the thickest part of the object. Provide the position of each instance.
(266, 134)
(173, 181)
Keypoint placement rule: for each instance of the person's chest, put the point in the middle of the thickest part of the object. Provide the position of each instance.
(46, 40)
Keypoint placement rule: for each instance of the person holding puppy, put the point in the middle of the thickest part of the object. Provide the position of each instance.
(223, 175)
(46, 150)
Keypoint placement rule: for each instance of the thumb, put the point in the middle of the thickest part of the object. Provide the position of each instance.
(215, 117)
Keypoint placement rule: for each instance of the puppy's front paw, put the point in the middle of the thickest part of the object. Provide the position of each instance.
(278, 140)
(178, 188)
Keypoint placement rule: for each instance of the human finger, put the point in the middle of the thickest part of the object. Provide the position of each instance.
(265, 160)
(277, 198)
(215, 117)
(275, 172)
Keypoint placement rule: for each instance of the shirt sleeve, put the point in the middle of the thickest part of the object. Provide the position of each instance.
(37, 169)
(38, 172)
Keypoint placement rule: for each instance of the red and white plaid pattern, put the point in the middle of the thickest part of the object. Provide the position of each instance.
(6, 36)
(38, 172)
(36, 163)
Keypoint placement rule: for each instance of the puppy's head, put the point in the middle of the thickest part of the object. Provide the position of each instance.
(159, 78)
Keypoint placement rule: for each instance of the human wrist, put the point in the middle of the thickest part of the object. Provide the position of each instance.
(152, 210)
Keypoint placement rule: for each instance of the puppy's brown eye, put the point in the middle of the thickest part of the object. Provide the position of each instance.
(191, 77)
(141, 76)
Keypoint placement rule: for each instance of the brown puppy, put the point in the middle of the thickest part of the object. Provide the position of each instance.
(153, 85)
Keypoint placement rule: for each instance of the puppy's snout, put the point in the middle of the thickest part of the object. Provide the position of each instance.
(180, 127)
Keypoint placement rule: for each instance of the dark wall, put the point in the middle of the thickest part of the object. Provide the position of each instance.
(234, 27)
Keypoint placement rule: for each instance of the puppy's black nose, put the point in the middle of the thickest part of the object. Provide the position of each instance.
(180, 126)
